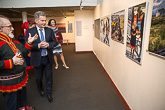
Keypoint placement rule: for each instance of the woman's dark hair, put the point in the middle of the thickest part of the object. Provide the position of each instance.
(49, 23)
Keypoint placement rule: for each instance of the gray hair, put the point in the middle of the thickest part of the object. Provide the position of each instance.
(38, 14)
(1, 21)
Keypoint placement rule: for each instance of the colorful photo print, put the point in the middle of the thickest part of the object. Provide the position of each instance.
(157, 31)
(136, 15)
(105, 29)
(97, 28)
(117, 26)
(61, 27)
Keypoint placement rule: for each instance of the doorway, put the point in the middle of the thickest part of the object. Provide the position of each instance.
(17, 25)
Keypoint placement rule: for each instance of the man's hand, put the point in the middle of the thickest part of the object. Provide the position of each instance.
(43, 44)
(32, 39)
(17, 60)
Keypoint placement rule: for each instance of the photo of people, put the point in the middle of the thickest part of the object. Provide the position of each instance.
(105, 29)
(97, 28)
(136, 15)
(157, 31)
(117, 26)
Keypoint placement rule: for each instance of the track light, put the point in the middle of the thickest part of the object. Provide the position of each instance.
(63, 14)
(81, 7)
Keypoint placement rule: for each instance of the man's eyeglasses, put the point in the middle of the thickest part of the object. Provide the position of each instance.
(10, 26)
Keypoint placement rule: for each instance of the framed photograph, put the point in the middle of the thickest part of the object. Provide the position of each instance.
(105, 30)
(157, 30)
(117, 26)
(61, 27)
(70, 30)
(97, 28)
(135, 29)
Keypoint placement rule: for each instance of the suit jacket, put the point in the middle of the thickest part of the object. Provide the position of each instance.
(35, 51)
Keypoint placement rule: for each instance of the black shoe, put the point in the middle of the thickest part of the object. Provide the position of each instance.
(50, 99)
(41, 92)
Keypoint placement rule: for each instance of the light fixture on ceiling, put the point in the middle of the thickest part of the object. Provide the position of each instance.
(63, 14)
(82, 1)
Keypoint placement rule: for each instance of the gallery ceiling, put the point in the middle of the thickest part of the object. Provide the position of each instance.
(49, 11)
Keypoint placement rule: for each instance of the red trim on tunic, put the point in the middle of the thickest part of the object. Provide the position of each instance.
(28, 46)
(29, 67)
(8, 64)
(14, 87)
(2, 43)
(16, 42)
(9, 41)
(5, 37)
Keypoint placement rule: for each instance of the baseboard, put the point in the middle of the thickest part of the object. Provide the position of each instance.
(84, 51)
(68, 43)
(118, 92)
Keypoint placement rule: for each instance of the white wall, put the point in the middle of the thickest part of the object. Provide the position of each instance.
(142, 86)
(84, 42)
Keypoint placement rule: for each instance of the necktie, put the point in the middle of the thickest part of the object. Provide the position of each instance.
(42, 39)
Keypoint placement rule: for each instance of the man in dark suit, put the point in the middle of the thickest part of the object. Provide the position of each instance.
(41, 53)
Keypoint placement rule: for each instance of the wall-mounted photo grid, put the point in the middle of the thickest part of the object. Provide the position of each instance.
(136, 15)
(117, 26)
(105, 29)
(157, 31)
